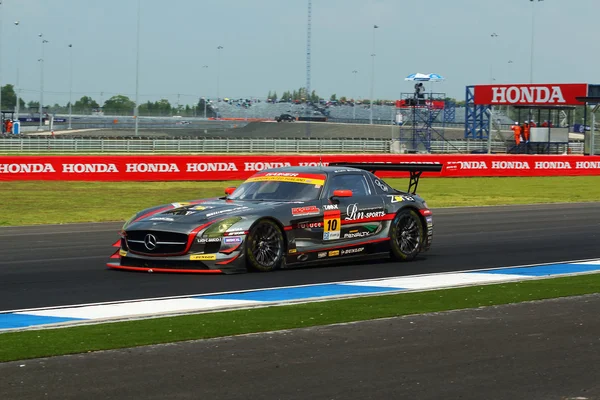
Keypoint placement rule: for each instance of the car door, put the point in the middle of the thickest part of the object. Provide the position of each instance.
(349, 219)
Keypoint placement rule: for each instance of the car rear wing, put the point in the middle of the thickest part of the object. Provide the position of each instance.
(415, 169)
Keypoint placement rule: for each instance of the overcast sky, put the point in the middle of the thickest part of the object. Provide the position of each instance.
(264, 46)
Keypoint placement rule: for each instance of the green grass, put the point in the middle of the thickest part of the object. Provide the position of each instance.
(52, 342)
(25, 203)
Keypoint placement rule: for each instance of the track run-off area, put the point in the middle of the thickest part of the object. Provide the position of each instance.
(60, 265)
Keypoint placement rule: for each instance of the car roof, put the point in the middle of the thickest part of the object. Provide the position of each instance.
(315, 170)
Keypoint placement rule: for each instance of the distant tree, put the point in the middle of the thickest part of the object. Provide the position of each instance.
(343, 99)
(9, 97)
(209, 110)
(85, 104)
(119, 104)
(270, 95)
(33, 105)
(333, 97)
(314, 97)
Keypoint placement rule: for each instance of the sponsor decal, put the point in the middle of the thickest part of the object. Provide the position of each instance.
(293, 179)
(208, 240)
(354, 213)
(232, 240)
(235, 233)
(538, 94)
(26, 168)
(355, 235)
(203, 257)
(201, 208)
(309, 210)
(334, 253)
(180, 205)
(210, 167)
(308, 225)
(429, 221)
(400, 199)
(147, 167)
(293, 251)
(382, 185)
(167, 219)
(226, 211)
(122, 253)
(329, 207)
(88, 168)
(322, 254)
(353, 251)
(259, 166)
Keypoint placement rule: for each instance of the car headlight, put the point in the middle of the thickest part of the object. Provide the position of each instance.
(130, 220)
(218, 228)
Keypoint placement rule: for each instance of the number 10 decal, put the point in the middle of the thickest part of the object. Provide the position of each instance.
(331, 225)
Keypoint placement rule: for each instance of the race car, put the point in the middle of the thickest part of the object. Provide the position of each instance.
(283, 218)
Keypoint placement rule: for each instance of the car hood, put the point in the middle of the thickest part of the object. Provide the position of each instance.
(177, 216)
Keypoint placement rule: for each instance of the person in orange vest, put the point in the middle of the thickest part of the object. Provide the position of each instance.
(9, 126)
(516, 128)
(526, 130)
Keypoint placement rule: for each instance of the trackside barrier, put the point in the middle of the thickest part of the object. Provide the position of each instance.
(240, 145)
(228, 167)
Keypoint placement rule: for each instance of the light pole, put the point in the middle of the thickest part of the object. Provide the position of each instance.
(137, 71)
(493, 36)
(204, 66)
(17, 89)
(355, 72)
(41, 60)
(70, 85)
(1, 119)
(372, 75)
(219, 48)
(532, 37)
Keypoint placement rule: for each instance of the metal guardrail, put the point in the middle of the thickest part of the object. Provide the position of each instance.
(239, 145)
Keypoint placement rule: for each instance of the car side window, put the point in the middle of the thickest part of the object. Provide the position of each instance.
(355, 182)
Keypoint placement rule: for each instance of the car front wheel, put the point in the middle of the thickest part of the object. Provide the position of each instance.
(264, 246)
(406, 235)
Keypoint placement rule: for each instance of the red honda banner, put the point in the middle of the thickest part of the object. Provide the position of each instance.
(225, 167)
(533, 95)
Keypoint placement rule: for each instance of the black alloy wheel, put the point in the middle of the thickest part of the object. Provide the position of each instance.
(264, 248)
(406, 235)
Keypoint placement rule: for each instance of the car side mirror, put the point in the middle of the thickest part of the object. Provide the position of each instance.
(342, 193)
(230, 190)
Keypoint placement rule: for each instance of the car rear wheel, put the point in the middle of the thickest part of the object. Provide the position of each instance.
(406, 235)
(264, 247)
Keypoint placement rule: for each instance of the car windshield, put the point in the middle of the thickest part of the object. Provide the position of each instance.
(287, 187)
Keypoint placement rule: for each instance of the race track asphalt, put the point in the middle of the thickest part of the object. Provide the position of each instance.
(54, 265)
(536, 351)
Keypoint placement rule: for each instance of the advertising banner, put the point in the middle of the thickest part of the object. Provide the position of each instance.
(225, 167)
(532, 95)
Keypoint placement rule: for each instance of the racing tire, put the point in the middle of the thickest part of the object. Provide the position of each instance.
(264, 247)
(406, 235)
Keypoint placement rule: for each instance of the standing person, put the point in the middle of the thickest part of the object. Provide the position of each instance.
(9, 126)
(516, 128)
(526, 130)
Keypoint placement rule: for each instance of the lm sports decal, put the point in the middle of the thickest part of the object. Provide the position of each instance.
(309, 179)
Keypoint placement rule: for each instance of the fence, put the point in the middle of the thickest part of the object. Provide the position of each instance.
(238, 145)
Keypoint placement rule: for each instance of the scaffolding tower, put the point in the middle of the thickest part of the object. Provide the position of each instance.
(423, 119)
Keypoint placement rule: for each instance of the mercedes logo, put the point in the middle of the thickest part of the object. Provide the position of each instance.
(150, 241)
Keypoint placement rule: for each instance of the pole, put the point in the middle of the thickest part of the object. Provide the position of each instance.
(17, 89)
(204, 66)
(372, 75)
(41, 60)
(354, 101)
(137, 71)
(218, 75)
(1, 115)
(70, 85)
(493, 35)
(532, 38)
(489, 141)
